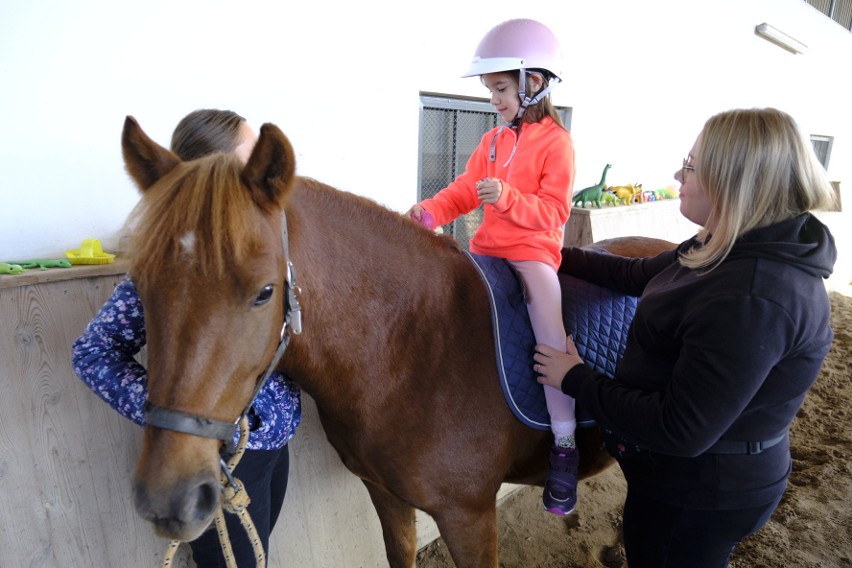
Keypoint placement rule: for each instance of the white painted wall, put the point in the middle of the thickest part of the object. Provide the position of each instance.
(343, 79)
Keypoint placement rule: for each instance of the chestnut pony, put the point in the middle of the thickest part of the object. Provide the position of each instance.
(397, 348)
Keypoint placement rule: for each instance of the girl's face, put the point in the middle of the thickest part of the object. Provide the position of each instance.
(504, 93)
(695, 204)
(248, 138)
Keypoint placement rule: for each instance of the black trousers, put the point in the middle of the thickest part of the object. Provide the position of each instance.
(658, 535)
(264, 474)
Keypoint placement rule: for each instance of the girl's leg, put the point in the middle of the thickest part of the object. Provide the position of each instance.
(278, 487)
(544, 297)
(544, 303)
(264, 475)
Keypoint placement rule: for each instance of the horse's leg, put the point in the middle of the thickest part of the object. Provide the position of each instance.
(398, 528)
(470, 535)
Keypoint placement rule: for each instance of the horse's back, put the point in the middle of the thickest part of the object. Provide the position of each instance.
(635, 247)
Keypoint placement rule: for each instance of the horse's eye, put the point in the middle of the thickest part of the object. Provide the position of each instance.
(264, 296)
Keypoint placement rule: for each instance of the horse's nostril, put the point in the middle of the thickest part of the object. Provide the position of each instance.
(207, 497)
(183, 512)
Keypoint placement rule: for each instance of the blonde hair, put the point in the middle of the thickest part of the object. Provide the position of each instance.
(757, 169)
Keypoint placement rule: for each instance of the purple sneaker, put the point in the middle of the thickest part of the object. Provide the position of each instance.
(560, 489)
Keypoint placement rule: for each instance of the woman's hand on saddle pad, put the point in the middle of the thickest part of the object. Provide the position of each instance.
(552, 364)
(488, 190)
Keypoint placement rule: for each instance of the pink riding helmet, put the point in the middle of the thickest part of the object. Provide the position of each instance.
(517, 44)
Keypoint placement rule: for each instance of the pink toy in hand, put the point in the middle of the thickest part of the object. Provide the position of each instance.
(426, 219)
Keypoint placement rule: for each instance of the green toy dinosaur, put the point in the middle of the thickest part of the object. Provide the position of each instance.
(608, 198)
(592, 194)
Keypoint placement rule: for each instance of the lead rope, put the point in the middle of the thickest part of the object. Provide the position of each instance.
(235, 500)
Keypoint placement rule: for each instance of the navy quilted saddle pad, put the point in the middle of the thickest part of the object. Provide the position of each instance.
(597, 318)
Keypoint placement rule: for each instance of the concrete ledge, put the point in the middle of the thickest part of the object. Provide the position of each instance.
(657, 219)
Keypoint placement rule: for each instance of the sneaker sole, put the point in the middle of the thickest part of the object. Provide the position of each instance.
(558, 511)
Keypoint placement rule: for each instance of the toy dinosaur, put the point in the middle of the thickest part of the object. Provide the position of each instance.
(608, 198)
(628, 194)
(41, 263)
(666, 193)
(592, 194)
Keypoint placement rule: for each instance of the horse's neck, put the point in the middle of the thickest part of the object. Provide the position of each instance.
(345, 249)
(361, 272)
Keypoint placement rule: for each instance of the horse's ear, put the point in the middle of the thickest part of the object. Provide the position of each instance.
(145, 160)
(271, 166)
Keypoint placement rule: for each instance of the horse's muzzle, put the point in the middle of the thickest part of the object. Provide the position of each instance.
(181, 512)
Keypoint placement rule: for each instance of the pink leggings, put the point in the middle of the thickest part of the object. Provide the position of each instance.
(544, 302)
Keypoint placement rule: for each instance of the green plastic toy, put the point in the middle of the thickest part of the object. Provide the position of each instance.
(592, 193)
(9, 268)
(40, 263)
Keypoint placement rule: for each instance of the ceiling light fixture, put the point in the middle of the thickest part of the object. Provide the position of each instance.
(779, 38)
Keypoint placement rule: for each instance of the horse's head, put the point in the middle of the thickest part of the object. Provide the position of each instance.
(208, 263)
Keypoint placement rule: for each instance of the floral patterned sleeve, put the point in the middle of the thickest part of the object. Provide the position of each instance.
(104, 358)
(104, 355)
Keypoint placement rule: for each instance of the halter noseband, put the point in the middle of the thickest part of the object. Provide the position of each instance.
(219, 429)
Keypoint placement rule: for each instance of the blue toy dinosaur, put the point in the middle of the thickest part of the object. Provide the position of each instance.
(592, 194)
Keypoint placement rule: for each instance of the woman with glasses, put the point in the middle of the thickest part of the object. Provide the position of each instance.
(731, 330)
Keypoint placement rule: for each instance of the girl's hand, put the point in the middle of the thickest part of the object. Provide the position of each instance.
(414, 212)
(421, 216)
(552, 364)
(489, 190)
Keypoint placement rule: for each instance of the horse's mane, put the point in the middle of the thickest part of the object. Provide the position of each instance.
(199, 213)
(202, 204)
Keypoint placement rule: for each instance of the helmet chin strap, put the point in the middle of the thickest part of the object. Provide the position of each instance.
(527, 101)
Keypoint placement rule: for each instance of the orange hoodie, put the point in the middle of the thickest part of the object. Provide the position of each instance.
(528, 220)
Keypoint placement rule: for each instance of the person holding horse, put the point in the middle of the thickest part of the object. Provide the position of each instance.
(730, 332)
(103, 357)
(523, 173)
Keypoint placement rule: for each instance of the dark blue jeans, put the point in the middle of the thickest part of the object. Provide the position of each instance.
(658, 535)
(264, 474)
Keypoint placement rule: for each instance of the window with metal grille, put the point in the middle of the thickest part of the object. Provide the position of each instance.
(838, 10)
(450, 129)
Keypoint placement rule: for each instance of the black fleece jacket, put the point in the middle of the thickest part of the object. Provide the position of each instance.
(728, 354)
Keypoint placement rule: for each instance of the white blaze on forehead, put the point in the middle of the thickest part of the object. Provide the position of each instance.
(187, 244)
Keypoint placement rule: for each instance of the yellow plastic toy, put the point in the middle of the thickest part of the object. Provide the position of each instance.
(90, 252)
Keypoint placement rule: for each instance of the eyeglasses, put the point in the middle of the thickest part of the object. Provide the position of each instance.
(687, 167)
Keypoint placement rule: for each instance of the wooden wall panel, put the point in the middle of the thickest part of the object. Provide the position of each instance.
(66, 458)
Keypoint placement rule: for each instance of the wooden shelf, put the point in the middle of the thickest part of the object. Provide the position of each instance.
(38, 276)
